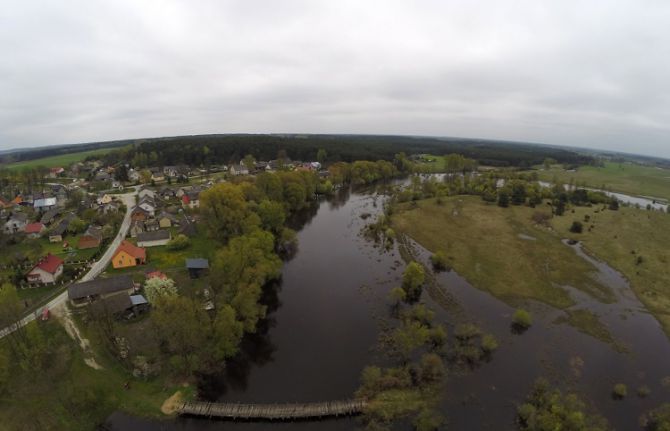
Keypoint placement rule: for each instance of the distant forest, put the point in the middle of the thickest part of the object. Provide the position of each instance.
(205, 150)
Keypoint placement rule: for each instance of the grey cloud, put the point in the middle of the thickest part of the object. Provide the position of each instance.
(570, 73)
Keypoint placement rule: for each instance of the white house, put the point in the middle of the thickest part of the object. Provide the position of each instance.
(47, 270)
(16, 223)
(153, 239)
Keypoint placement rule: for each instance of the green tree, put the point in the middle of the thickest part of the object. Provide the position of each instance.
(272, 216)
(180, 242)
(295, 196)
(225, 211)
(321, 156)
(249, 162)
(270, 185)
(413, 279)
(397, 295)
(182, 328)
(503, 198)
(227, 333)
(657, 419)
(522, 319)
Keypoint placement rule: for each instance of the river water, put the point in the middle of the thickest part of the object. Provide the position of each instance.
(326, 315)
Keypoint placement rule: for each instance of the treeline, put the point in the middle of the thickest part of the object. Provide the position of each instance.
(205, 150)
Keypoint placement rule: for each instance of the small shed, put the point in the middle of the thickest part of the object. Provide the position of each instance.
(197, 267)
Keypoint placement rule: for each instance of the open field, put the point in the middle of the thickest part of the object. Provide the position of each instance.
(634, 242)
(626, 178)
(71, 395)
(62, 160)
(500, 250)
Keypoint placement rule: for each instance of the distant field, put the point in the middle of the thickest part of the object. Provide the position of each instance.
(625, 178)
(62, 160)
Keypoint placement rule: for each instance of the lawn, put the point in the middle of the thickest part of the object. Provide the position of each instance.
(62, 160)
(626, 178)
(500, 250)
(634, 242)
(68, 394)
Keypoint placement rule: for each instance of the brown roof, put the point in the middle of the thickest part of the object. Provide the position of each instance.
(131, 249)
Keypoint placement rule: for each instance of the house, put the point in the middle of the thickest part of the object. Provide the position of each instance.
(155, 274)
(45, 204)
(239, 170)
(166, 220)
(188, 228)
(157, 176)
(102, 175)
(34, 230)
(49, 216)
(133, 175)
(139, 214)
(105, 199)
(4, 203)
(90, 239)
(167, 193)
(196, 267)
(191, 199)
(153, 239)
(55, 172)
(16, 223)
(110, 207)
(136, 228)
(149, 205)
(146, 193)
(87, 292)
(57, 233)
(151, 225)
(47, 270)
(128, 255)
(171, 171)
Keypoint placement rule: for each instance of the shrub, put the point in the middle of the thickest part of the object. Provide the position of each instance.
(620, 391)
(179, 242)
(643, 391)
(439, 261)
(576, 227)
(489, 343)
(522, 319)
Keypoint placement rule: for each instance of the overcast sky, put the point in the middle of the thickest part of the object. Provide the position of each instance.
(582, 73)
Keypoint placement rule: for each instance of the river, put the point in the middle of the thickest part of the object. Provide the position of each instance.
(326, 314)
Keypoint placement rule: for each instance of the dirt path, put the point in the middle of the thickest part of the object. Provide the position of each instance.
(63, 315)
(170, 405)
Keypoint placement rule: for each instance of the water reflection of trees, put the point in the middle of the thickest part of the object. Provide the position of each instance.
(256, 349)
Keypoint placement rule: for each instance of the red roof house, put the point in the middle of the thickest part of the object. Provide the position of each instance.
(47, 270)
(34, 229)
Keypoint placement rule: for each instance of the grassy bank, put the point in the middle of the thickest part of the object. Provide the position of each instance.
(625, 178)
(500, 250)
(68, 394)
(634, 242)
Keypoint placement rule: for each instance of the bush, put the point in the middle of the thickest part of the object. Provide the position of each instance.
(620, 391)
(180, 242)
(576, 227)
(643, 391)
(439, 261)
(489, 343)
(522, 319)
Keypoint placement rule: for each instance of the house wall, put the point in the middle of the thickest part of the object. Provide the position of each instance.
(45, 277)
(123, 260)
(153, 243)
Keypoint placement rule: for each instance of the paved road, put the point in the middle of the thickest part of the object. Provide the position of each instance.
(96, 269)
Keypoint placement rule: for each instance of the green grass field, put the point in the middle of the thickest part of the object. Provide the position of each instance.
(62, 160)
(500, 250)
(626, 178)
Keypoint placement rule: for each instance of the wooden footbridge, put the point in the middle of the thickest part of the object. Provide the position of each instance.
(272, 411)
